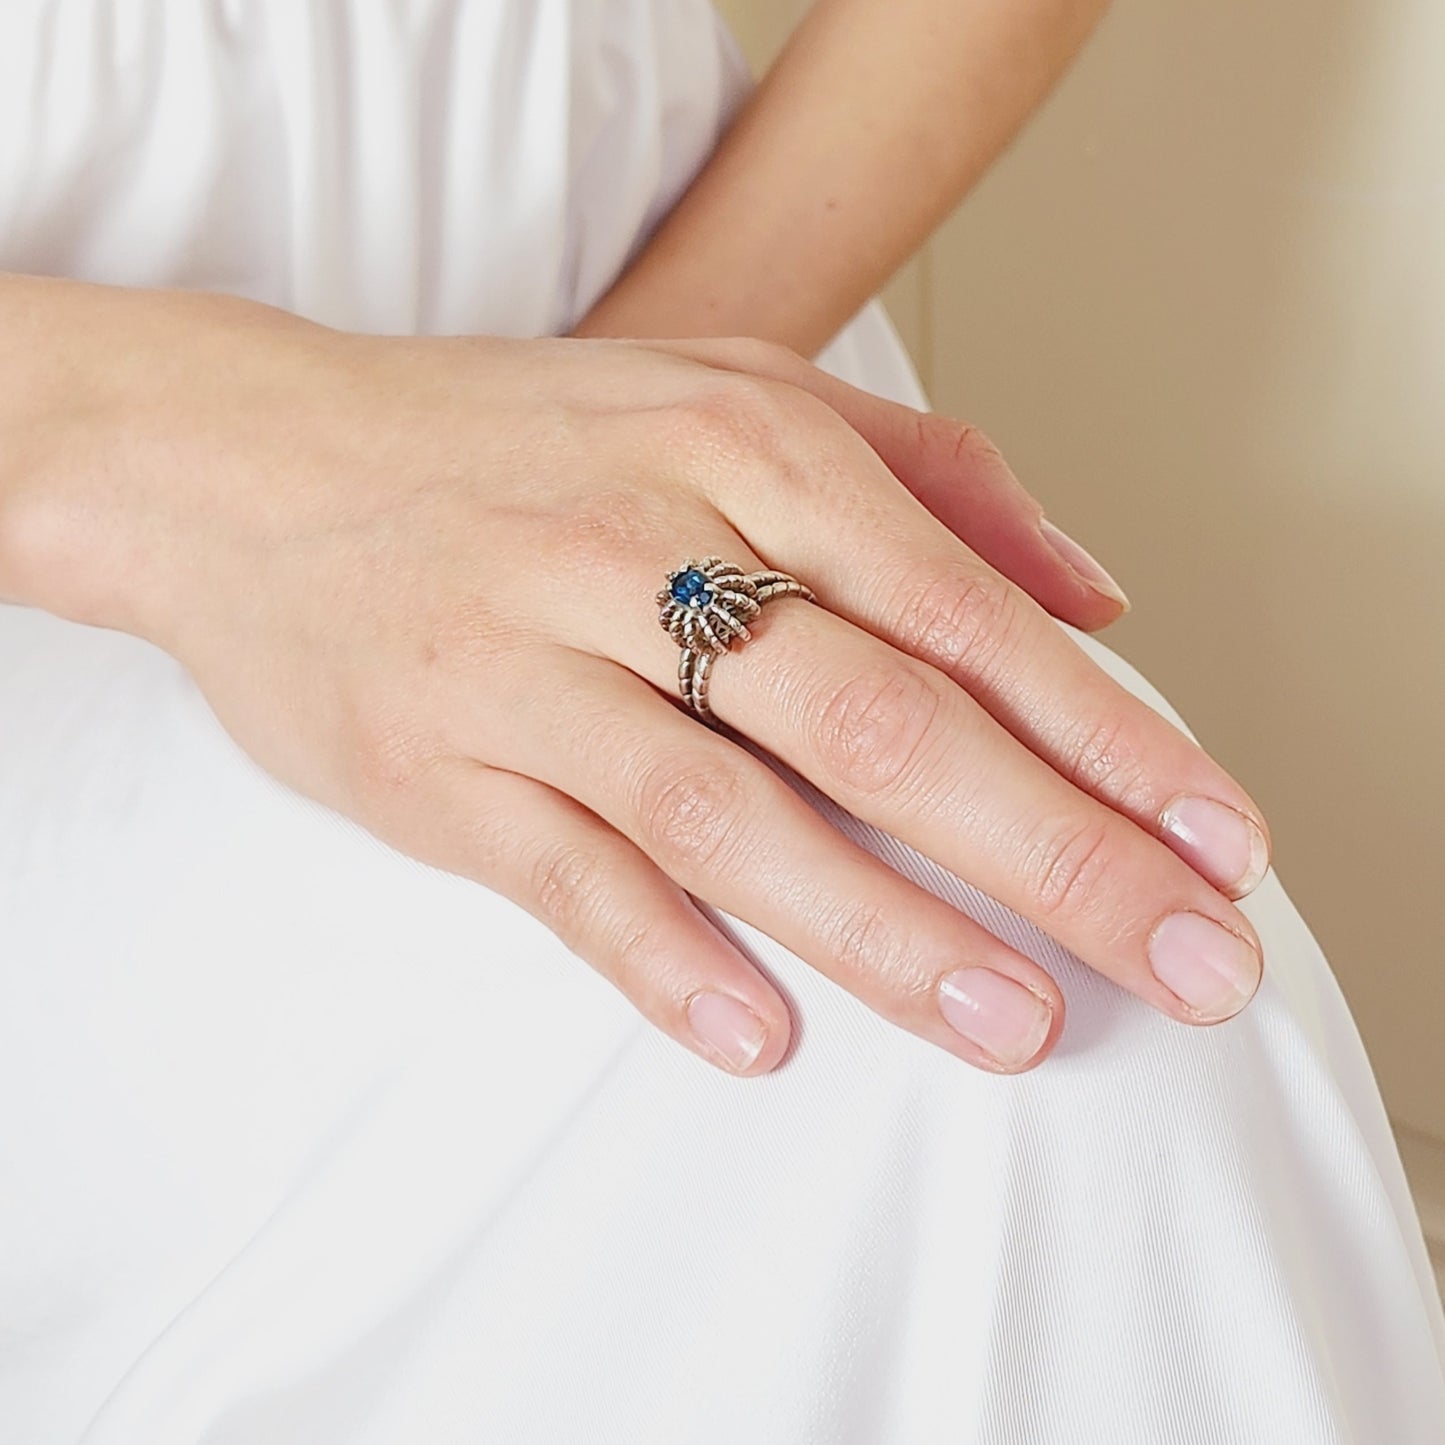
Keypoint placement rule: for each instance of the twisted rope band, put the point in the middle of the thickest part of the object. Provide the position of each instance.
(705, 607)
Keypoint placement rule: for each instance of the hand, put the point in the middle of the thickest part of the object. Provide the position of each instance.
(416, 580)
(957, 473)
(953, 469)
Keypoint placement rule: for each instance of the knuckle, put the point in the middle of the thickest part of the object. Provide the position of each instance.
(691, 816)
(951, 443)
(962, 620)
(566, 887)
(1065, 867)
(468, 641)
(740, 417)
(773, 435)
(635, 943)
(571, 892)
(940, 438)
(874, 731)
(864, 942)
(1100, 757)
(390, 756)
(971, 446)
(601, 533)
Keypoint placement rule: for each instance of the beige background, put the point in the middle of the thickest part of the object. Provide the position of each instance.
(1201, 306)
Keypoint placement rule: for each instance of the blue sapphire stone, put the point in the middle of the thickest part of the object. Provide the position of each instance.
(690, 587)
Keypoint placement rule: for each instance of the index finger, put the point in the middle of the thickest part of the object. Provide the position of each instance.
(952, 468)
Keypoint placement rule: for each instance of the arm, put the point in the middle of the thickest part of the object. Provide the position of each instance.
(71, 419)
(874, 122)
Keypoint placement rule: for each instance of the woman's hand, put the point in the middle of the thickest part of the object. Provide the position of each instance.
(416, 580)
(954, 470)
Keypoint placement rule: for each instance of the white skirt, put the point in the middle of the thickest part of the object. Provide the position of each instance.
(303, 1143)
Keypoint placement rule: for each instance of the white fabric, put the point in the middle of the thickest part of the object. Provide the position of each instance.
(303, 1142)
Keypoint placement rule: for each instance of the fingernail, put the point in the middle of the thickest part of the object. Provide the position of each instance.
(1211, 969)
(726, 1027)
(1223, 842)
(1084, 563)
(995, 1013)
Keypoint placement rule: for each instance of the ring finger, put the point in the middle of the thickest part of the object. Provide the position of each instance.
(733, 833)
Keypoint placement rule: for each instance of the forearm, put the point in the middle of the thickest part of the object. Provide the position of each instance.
(110, 400)
(876, 119)
(60, 357)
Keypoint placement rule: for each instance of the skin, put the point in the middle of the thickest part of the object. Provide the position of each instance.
(875, 120)
(355, 584)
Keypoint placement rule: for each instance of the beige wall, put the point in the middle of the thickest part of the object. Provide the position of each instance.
(1201, 305)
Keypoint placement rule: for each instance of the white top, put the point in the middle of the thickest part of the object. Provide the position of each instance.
(303, 1142)
(494, 162)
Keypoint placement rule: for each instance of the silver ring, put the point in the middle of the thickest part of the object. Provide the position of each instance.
(706, 607)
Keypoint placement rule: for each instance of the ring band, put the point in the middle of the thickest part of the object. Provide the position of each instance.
(706, 606)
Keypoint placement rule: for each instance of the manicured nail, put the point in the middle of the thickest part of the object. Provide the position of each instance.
(726, 1027)
(1085, 564)
(1211, 969)
(995, 1013)
(1222, 842)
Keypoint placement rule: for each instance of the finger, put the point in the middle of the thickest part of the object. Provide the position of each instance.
(730, 831)
(956, 472)
(811, 498)
(901, 746)
(612, 906)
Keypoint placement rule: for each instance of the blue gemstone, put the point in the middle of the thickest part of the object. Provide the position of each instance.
(690, 586)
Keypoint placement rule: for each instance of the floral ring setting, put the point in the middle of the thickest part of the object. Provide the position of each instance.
(706, 606)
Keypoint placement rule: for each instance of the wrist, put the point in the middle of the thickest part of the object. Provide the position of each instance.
(111, 412)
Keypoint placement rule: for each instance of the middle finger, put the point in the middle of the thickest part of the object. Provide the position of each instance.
(804, 487)
(903, 747)
(900, 745)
